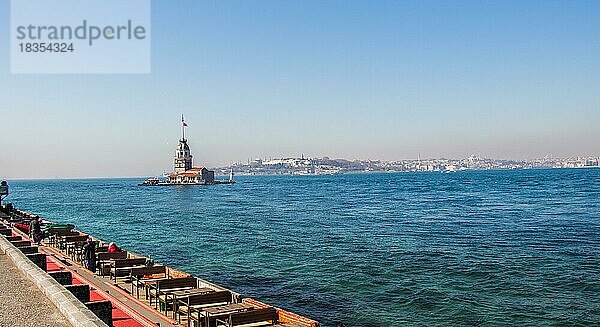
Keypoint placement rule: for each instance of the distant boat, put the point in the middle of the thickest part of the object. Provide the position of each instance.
(150, 181)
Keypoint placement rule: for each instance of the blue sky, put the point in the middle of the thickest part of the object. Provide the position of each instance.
(354, 79)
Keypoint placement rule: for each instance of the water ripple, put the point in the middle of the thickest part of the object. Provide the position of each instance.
(496, 248)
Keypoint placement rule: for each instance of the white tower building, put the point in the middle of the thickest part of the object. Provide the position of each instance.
(183, 157)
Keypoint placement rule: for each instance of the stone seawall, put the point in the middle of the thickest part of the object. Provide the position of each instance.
(75, 311)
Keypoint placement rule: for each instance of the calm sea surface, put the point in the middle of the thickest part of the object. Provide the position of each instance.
(490, 248)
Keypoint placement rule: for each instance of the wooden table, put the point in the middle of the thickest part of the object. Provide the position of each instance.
(167, 292)
(223, 310)
(183, 294)
(150, 283)
(72, 243)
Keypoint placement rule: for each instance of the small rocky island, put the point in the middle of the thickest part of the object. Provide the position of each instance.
(185, 173)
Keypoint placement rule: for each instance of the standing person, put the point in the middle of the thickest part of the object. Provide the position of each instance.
(36, 230)
(32, 226)
(89, 255)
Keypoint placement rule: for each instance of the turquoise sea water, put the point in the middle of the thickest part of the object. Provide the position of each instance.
(490, 248)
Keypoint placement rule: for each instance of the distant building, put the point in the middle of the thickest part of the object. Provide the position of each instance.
(196, 175)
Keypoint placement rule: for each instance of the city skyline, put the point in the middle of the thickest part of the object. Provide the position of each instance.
(328, 166)
(331, 165)
(383, 80)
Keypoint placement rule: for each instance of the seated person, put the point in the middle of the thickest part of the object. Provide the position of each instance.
(112, 248)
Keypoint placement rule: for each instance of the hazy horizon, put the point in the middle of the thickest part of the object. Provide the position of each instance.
(158, 173)
(380, 80)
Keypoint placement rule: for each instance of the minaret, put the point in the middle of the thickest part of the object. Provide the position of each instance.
(183, 157)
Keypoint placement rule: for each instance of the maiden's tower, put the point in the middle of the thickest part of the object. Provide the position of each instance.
(184, 172)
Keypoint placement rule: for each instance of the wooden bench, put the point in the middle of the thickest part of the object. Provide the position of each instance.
(137, 274)
(106, 256)
(55, 234)
(103, 248)
(266, 315)
(104, 260)
(157, 291)
(195, 303)
(121, 267)
(77, 253)
(70, 243)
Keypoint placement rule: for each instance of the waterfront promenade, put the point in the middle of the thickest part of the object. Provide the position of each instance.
(23, 304)
(87, 299)
(128, 310)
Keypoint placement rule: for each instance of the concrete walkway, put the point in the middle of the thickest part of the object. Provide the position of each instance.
(21, 302)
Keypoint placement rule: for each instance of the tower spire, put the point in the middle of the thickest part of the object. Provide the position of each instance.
(183, 124)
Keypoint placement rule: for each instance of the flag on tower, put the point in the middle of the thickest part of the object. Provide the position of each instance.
(183, 121)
